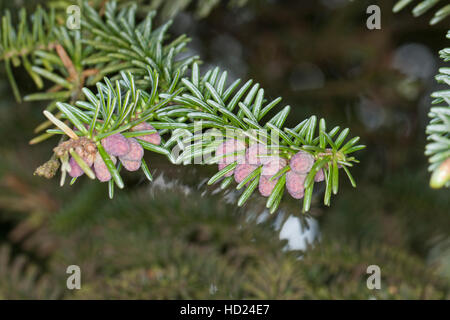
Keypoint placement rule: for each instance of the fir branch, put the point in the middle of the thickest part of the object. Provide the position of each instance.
(438, 129)
(46, 51)
(117, 109)
(424, 6)
(244, 116)
(71, 63)
(167, 8)
(17, 45)
(152, 106)
(123, 45)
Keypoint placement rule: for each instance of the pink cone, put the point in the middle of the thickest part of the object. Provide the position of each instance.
(319, 176)
(101, 170)
(295, 184)
(273, 165)
(87, 157)
(153, 138)
(135, 153)
(266, 186)
(230, 146)
(131, 165)
(132, 160)
(256, 154)
(242, 171)
(75, 169)
(223, 165)
(301, 162)
(116, 145)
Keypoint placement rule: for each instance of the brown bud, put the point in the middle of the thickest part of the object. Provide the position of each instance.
(48, 169)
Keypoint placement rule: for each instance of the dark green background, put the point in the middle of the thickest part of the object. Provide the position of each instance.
(154, 241)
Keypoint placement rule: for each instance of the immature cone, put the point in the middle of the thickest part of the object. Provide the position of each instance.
(83, 146)
(153, 138)
(319, 176)
(266, 185)
(101, 170)
(227, 147)
(132, 160)
(230, 146)
(301, 162)
(223, 165)
(131, 165)
(295, 184)
(116, 145)
(256, 154)
(75, 169)
(273, 165)
(242, 171)
(87, 155)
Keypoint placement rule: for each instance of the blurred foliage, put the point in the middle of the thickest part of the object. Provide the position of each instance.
(167, 8)
(159, 245)
(20, 279)
(421, 7)
(166, 241)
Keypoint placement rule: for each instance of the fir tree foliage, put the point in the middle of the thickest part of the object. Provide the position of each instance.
(18, 44)
(438, 130)
(148, 83)
(163, 240)
(423, 6)
(167, 8)
(71, 59)
(20, 279)
(194, 251)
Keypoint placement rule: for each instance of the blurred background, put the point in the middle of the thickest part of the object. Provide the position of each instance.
(177, 238)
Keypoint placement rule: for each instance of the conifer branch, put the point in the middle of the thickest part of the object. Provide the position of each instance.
(17, 45)
(438, 129)
(121, 44)
(148, 103)
(109, 117)
(423, 6)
